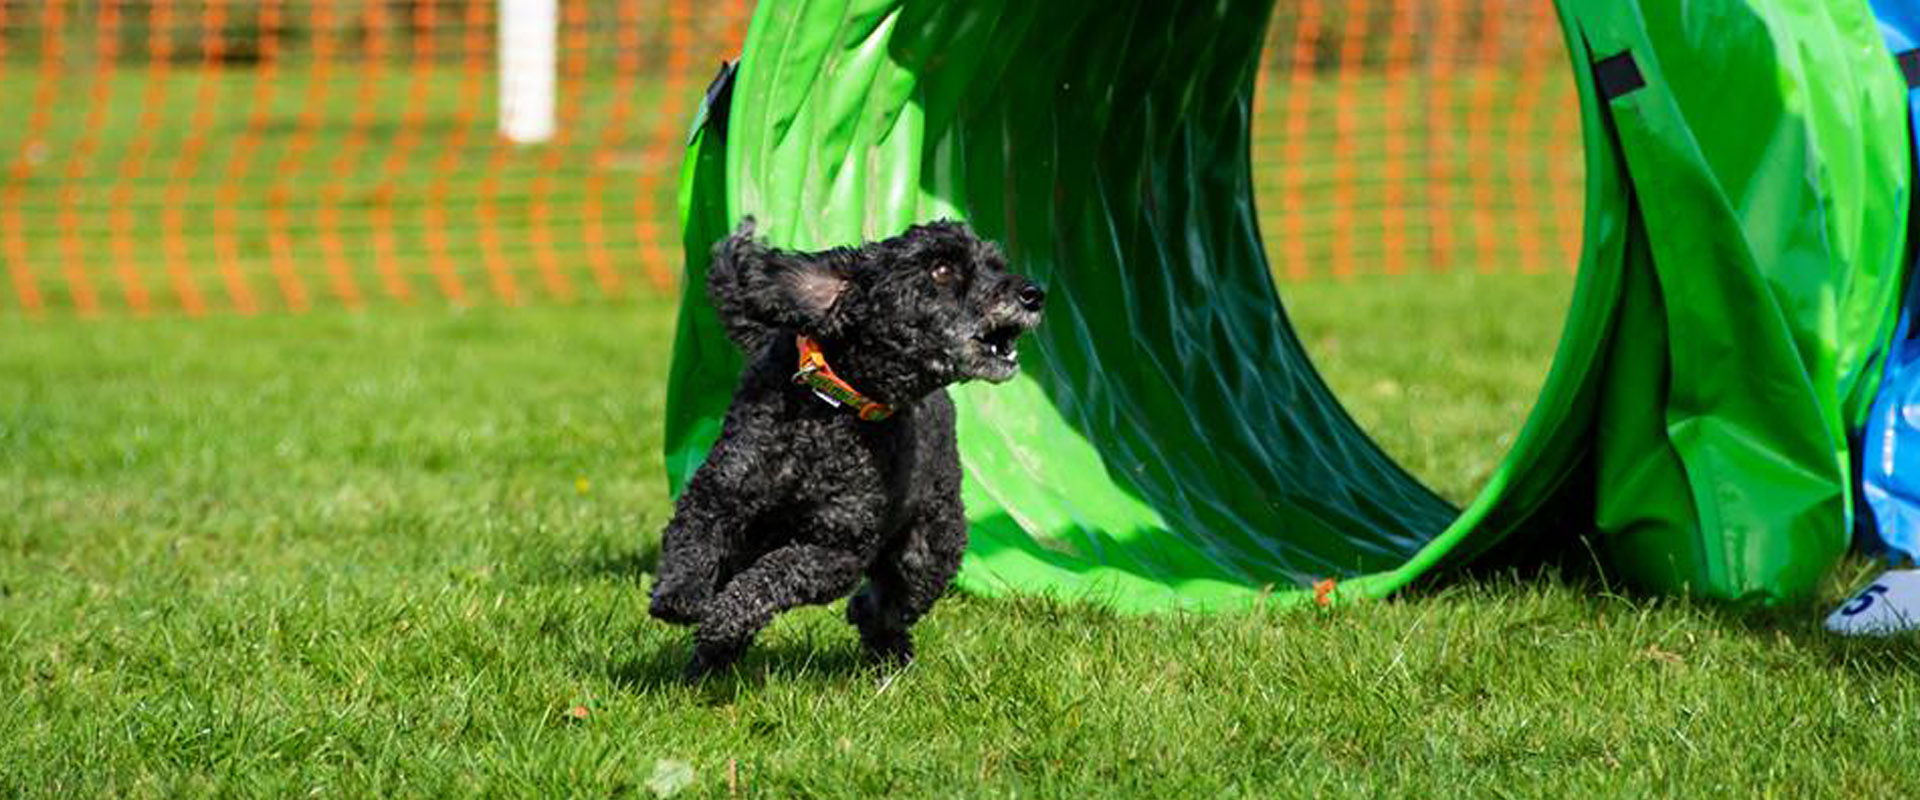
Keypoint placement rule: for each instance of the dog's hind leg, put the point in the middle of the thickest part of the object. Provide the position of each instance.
(794, 575)
(903, 584)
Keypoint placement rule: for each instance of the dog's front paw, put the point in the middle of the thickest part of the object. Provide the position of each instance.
(868, 610)
(863, 609)
(887, 647)
(675, 607)
(709, 659)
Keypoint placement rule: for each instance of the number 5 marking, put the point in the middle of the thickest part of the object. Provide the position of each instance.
(1863, 600)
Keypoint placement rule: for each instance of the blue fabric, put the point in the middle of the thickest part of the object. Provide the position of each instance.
(1890, 446)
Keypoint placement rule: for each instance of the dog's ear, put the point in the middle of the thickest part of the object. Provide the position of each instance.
(808, 286)
(760, 291)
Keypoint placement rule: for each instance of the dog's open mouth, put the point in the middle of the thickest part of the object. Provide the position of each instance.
(999, 342)
(996, 353)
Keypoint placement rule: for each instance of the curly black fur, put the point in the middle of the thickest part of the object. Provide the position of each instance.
(799, 498)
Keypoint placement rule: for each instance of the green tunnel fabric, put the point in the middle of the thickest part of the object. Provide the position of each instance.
(1170, 444)
(1774, 210)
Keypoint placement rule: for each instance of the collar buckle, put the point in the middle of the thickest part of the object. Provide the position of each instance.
(816, 375)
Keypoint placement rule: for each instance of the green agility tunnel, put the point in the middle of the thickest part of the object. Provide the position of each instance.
(1170, 444)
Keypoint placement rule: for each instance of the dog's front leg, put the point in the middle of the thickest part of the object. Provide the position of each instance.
(903, 584)
(717, 506)
(691, 549)
(794, 575)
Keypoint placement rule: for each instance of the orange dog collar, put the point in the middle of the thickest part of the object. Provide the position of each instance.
(815, 374)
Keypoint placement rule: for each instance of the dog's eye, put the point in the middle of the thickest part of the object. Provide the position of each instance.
(942, 272)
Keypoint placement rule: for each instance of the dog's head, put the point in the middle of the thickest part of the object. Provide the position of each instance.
(932, 306)
(942, 298)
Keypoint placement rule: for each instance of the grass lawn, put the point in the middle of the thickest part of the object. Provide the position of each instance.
(388, 554)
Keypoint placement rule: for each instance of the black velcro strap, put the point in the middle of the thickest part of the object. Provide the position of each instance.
(1910, 67)
(1618, 74)
(712, 114)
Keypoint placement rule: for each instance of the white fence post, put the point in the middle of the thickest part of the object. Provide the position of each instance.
(528, 33)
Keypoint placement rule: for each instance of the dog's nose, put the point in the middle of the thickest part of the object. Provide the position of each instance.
(1032, 296)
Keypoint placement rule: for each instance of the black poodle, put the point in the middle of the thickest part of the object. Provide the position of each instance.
(838, 457)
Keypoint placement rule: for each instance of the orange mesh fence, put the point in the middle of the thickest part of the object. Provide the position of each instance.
(252, 156)
(273, 156)
(1393, 136)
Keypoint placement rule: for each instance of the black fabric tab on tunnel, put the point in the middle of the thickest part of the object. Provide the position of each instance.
(712, 115)
(1910, 67)
(1618, 74)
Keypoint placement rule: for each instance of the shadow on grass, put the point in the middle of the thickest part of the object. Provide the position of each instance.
(1798, 626)
(780, 662)
(625, 565)
(1803, 626)
(773, 658)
